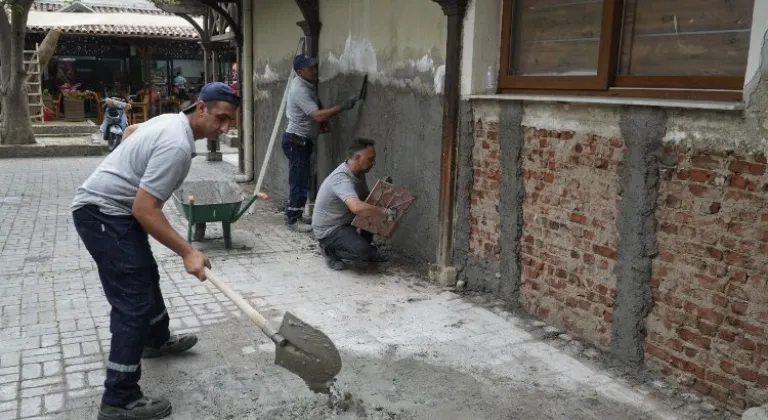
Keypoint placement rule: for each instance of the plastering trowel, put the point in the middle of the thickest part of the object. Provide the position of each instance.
(301, 348)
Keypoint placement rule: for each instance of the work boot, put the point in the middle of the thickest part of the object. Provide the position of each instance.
(299, 226)
(332, 261)
(378, 257)
(144, 408)
(334, 264)
(176, 344)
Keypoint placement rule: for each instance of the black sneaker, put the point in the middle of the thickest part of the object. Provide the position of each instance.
(142, 409)
(337, 265)
(176, 344)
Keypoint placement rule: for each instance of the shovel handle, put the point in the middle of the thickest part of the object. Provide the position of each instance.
(256, 317)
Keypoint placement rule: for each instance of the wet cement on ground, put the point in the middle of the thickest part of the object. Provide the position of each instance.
(211, 382)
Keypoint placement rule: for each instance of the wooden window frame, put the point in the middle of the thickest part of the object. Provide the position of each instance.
(606, 82)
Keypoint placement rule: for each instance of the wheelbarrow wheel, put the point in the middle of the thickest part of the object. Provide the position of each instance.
(199, 232)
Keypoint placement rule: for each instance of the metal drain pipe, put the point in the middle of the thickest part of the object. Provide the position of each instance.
(247, 81)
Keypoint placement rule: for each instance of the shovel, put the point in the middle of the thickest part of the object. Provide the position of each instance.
(301, 348)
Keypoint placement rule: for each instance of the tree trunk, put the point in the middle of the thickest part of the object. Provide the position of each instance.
(15, 127)
(48, 47)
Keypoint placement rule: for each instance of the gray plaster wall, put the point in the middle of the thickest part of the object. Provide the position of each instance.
(464, 179)
(642, 130)
(500, 277)
(406, 125)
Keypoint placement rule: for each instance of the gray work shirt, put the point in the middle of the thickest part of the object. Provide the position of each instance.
(330, 212)
(300, 103)
(155, 158)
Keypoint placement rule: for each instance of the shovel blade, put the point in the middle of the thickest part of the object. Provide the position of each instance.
(308, 353)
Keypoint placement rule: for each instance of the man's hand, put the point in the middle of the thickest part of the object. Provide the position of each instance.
(195, 263)
(148, 211)
(349, 103)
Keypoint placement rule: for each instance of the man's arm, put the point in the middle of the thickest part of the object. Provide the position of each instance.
(129, 130)
(311, 108)
(364, 209)
(148, 210)
(322, 115)
(165, 169)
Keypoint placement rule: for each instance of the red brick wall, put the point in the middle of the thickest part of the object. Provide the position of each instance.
(569, 231)
(709, 324)
(485, 224)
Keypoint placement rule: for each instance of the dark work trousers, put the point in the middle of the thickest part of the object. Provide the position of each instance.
(299, 174)
(346, 244)
(131, 283)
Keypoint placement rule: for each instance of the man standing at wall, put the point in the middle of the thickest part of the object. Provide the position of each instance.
(304, 120)
(114, 211)
(342, 196)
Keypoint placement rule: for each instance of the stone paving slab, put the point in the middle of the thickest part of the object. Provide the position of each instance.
(410, 350)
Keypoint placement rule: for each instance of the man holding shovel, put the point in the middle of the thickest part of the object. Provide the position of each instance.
(304, 120)
(114, 211)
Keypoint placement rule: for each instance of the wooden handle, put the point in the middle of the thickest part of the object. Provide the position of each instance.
(256, 317)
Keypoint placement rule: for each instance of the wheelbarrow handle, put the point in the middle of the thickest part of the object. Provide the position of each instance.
(256, 317)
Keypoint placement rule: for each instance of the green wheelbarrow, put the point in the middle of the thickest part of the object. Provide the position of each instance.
(204, 202)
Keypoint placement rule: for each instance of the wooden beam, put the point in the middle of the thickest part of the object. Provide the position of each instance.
(185, 8)
(229, 36)
(203, 33)
(234, 25)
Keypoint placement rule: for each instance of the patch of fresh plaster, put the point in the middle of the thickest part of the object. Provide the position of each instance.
(439, 79)
(718, 130)
(486, 110)
(600, 120)
(360, 56)
(268, 76)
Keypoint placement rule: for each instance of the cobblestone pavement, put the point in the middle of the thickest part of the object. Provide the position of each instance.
(411, 350)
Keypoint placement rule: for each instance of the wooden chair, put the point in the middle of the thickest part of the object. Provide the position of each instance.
(139, 112)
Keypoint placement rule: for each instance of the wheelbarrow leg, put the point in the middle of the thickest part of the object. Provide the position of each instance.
(190, 223)
(227, 228)
(199, 231)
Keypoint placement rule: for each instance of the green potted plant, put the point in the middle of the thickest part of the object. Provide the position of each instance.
(47, 99)
(74, 102)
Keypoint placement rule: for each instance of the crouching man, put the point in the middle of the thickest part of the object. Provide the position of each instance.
(340, 198)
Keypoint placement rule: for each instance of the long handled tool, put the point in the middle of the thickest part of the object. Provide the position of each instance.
(301, 348)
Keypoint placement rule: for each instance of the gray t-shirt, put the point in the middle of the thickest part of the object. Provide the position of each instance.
(330, 212)
(155, 158)
(300, 103)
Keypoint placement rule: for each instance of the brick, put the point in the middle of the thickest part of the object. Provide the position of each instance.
(726, 383)
(747, 374)
(604, 251)
(31, 371)
(672, 201)
(745, 167)
(705, 162)
(698, 175)
(53, 402)
(31, 406)
(694, 338)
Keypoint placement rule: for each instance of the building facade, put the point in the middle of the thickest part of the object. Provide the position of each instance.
(610, 179)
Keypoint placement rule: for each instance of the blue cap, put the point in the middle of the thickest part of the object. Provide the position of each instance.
(218, 92)
(303, 60)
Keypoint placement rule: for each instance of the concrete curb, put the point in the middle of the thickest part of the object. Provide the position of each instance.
(41, 150)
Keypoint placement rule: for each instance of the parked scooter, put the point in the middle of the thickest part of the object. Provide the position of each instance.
(114, 113)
